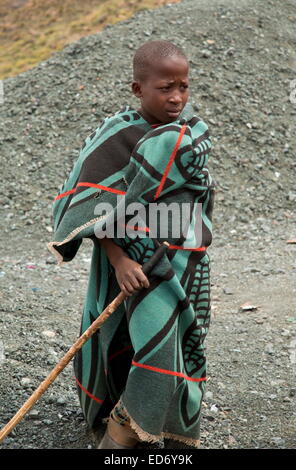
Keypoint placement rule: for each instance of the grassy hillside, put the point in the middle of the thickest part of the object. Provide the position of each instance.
(32, 30)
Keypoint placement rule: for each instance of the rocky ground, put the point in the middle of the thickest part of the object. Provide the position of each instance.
(243, 65)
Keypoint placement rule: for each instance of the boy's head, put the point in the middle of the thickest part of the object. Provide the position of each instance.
(160, 81)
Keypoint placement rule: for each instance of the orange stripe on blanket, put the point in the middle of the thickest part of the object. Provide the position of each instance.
(170, 162)
(90, 185)
(136, 229)
(65, 194)
(87, 392)
(100, 186)
(177, 247)
(168, 372)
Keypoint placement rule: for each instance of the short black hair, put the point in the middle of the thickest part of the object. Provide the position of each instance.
(150, 52)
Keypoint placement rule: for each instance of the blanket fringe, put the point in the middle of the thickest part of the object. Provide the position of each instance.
(56, 253)
(147, 437)
(51, 245)
(143, 435)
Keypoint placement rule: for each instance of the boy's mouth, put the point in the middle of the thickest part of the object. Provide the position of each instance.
(173, 113)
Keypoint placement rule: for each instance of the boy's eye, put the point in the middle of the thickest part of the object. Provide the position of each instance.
(168, 87)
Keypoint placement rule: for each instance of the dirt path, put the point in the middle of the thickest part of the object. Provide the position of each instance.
(250, 399)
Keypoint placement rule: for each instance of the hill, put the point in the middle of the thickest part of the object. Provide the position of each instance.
(32, 30)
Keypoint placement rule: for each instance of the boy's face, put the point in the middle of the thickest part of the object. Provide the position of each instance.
(164, 91)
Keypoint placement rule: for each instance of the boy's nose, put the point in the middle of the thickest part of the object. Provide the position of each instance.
(175, 98)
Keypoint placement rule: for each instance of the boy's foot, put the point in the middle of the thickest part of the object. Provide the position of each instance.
(108, 443)
(118, 436)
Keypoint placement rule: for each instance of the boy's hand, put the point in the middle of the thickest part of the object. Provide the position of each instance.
(129, 275)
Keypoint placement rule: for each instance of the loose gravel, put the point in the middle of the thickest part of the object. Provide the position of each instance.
(243, 66)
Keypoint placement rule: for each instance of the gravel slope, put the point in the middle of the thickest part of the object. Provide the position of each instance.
(243, 61)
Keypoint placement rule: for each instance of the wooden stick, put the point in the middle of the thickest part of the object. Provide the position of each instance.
(160, 251)
(61, 365)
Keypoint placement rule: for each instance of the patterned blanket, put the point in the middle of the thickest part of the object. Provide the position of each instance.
(150, 353)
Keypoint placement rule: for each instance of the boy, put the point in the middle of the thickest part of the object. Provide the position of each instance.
(146, 368)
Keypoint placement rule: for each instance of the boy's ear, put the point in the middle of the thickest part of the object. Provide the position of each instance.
(136, 89)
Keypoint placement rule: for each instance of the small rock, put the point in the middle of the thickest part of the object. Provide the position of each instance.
(272, 397)
(29, 222)
(287, 400)
(205, 53)
(231, 440)
(34, 414)
(291, 196)
(214, 408)
(48, 333)
(285, 332)
(255, 270)
(61, 401)
(26, 381)
(269, 349)
(210, 418)
(278, 440)
(229, 51)
(48, 422)
(247, 307)
(227, 291)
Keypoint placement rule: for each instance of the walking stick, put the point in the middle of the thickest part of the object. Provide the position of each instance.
(76, 347)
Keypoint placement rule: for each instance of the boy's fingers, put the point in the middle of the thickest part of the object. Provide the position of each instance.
(136, 283)
(144, 282)
(139, 283)
(132, 281)
(138, 279)
(127, 288)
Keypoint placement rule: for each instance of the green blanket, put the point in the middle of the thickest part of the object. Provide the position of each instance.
(150, 353)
